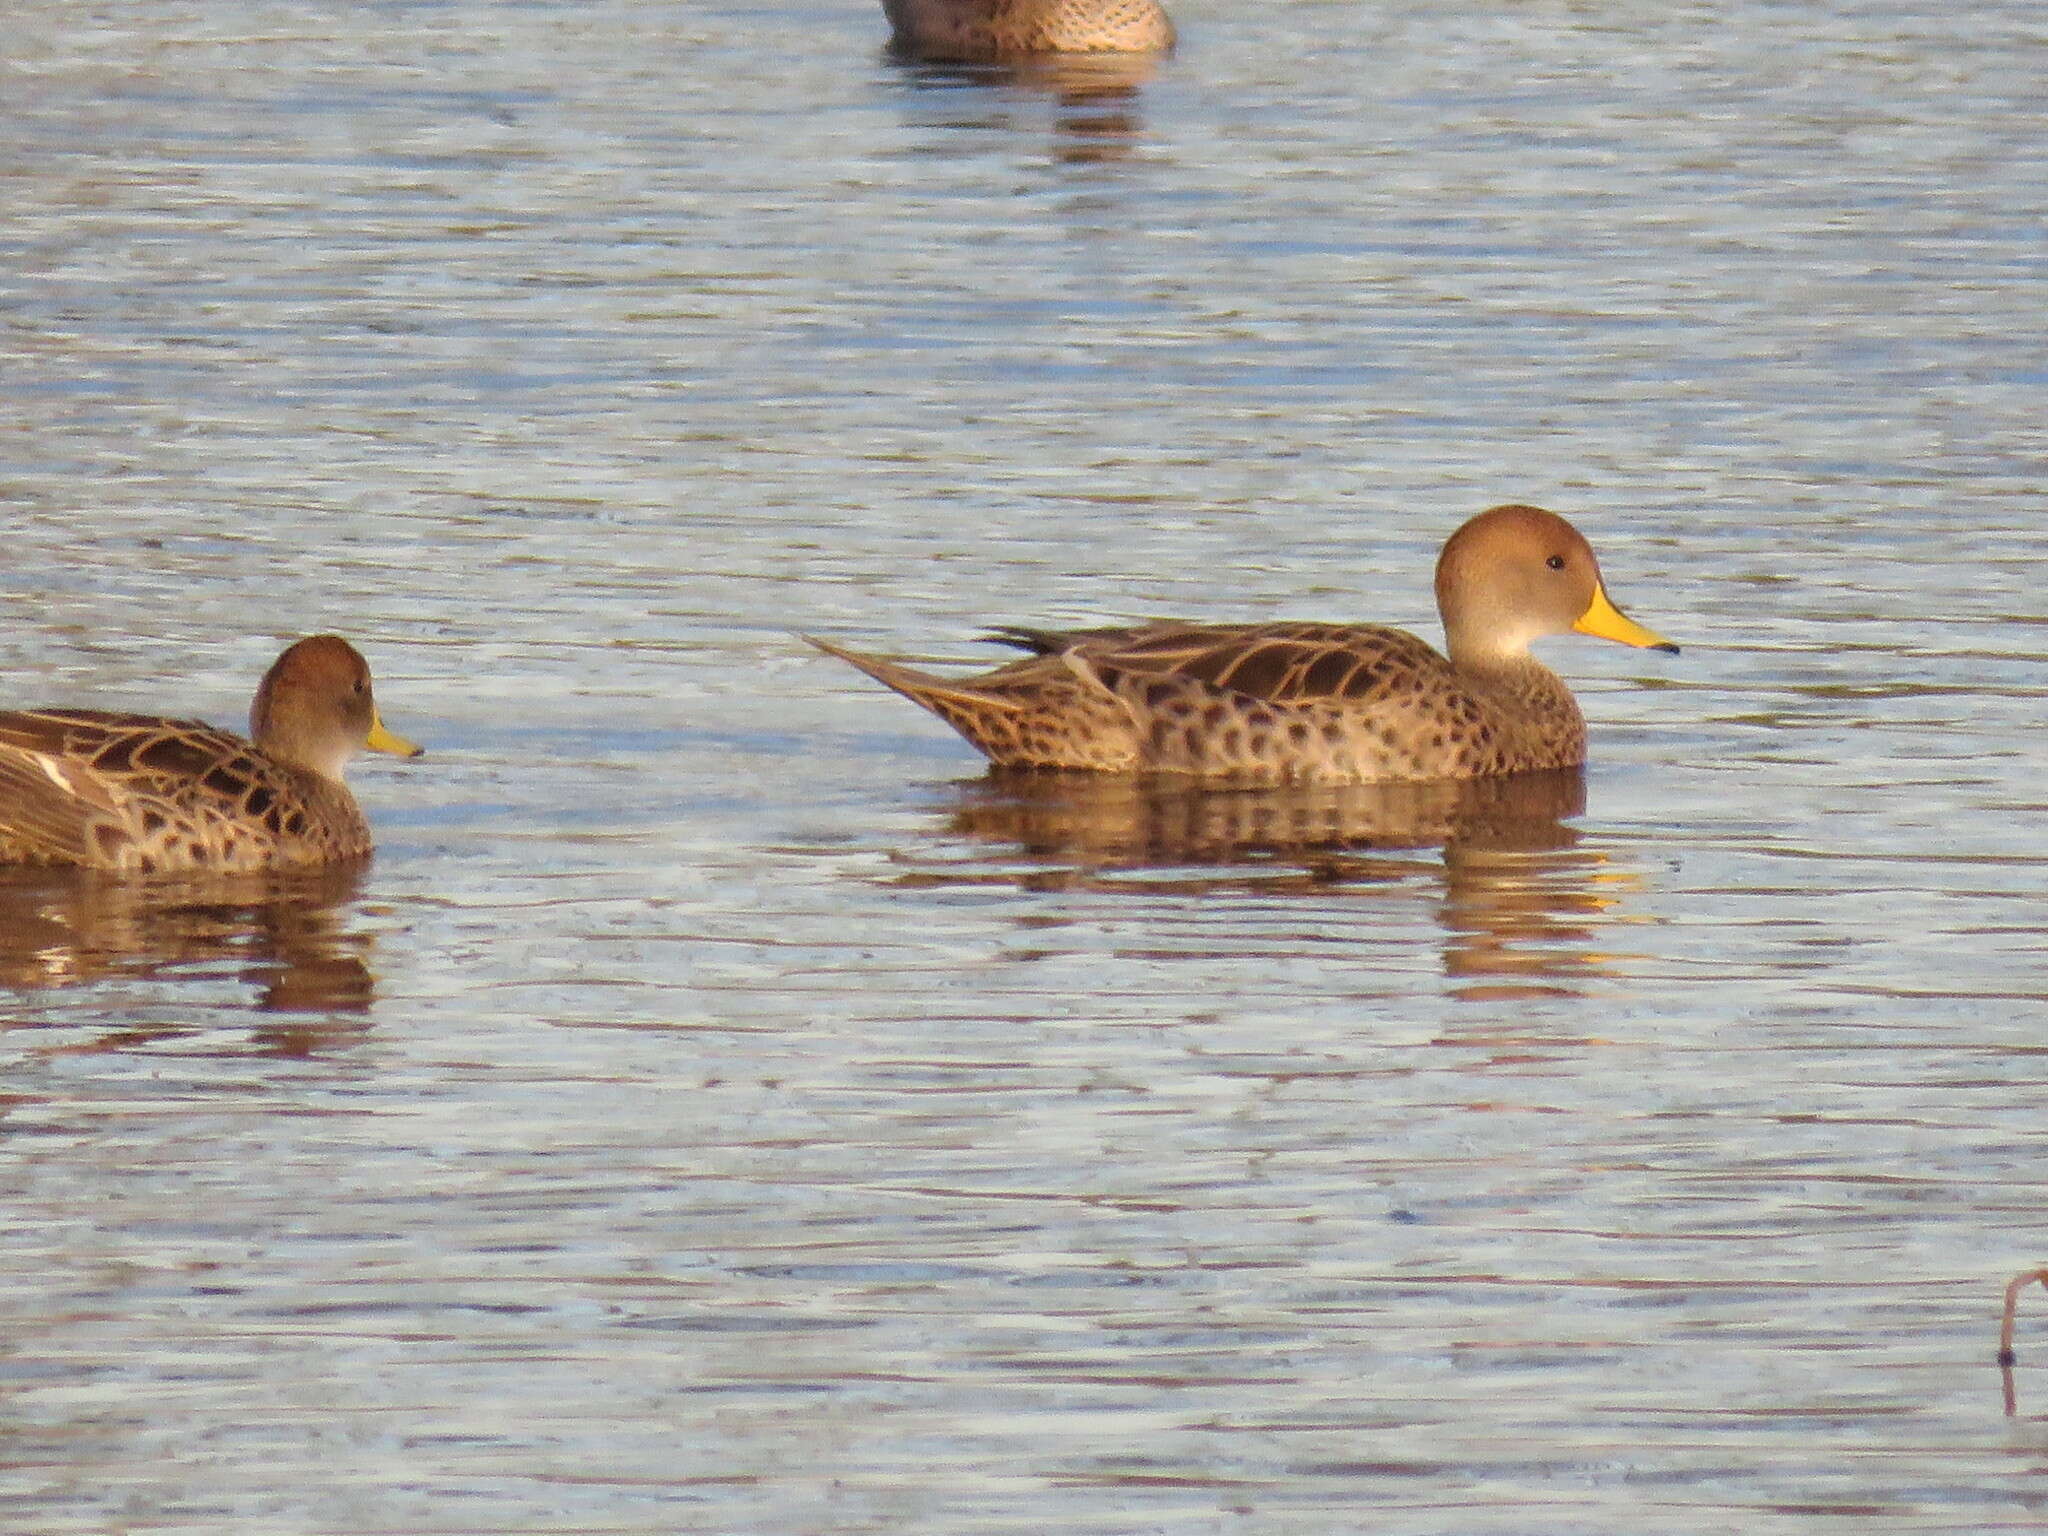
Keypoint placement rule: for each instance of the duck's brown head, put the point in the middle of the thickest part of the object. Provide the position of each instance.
(315, 708)
(1517, 573)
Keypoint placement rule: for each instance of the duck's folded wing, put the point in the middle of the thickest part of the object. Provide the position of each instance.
(1357, 664)
(55, 807)
(78, 786)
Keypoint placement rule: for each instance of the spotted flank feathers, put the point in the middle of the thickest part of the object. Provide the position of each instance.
(144, 794)
(1008, 29)
(1327, 703)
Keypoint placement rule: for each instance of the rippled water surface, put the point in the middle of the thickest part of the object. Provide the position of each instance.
(718, 1108)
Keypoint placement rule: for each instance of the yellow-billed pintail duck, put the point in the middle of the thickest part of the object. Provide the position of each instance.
(1011, 29)
(1329, 703)
(141, 793)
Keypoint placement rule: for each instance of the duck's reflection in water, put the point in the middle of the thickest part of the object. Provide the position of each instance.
(1094, 98)
(282, 934)
(1519, 902)
(1521, 907)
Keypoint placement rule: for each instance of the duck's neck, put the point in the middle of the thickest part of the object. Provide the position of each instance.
(1532, 702)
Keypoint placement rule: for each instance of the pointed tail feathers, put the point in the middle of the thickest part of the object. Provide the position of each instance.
(933, 692)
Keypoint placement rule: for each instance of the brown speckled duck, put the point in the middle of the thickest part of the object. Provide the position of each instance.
(1325, 703)
(143, 794)
(1011, 29)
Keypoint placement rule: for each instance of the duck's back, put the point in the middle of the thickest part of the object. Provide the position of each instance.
(998, 29)
(1283, 663)
(1299, 701)
(143, 793)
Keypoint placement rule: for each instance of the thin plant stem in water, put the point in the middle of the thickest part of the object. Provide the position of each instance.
(2006, 1359)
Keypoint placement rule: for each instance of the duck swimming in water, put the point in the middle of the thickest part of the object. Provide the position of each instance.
(1325, 703)
(143, 793)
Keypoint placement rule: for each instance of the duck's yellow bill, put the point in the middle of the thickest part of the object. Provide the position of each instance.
(1602, 618)
(383, 740)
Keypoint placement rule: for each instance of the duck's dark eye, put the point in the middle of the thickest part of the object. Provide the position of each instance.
(1555, 562)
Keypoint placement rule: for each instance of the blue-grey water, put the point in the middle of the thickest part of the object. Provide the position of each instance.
(717, 1109)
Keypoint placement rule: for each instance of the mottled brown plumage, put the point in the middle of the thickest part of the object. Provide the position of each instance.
(1008, 29)
(142, 793)
(1328, 703)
